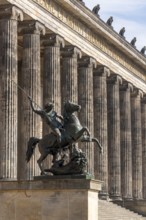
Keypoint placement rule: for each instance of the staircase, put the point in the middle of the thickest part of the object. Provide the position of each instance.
(111, 211)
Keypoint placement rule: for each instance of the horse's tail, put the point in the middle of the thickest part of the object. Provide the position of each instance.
(31, 147)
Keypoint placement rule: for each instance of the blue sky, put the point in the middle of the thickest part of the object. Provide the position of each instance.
(130, 14)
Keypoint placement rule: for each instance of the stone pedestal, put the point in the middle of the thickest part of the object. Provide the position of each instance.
(52, 199)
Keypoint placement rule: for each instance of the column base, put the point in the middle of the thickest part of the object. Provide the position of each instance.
(127, 198)
(53, 198)
(137, 199)
(103, 195)
(116, 198)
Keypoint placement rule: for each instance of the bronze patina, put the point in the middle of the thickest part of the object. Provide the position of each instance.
(64, 136)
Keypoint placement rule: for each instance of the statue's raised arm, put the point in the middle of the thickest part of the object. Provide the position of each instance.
(39, 112)
(50, 117)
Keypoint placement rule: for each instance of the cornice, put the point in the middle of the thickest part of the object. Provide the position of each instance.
(100, 27)
(91, 28)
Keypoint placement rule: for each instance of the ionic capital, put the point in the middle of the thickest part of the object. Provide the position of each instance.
(10, 12)
(115, 79)
(87, 62)
(137, 93)
(53, 40)
(102, 71)
(71, 51)
(126, 86)
(31, 27)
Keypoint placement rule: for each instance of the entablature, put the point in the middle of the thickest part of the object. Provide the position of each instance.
(80, 27)
(81, 20)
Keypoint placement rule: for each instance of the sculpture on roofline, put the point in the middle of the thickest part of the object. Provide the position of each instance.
(143, 50)
(110, 21)
(133, 41)
(64, 136)
(96, 9)
(121, 32)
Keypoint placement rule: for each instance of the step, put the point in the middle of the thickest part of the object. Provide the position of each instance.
(111, 211)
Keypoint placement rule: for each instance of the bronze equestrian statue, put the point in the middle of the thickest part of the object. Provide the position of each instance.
(67, 134)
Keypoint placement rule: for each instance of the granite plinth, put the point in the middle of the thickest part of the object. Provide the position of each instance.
(50, 198)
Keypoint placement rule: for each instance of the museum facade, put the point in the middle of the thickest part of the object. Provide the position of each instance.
(59, 50)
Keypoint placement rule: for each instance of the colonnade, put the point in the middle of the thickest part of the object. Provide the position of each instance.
(113, 109)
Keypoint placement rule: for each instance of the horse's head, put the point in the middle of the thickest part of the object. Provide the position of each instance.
(70, 107)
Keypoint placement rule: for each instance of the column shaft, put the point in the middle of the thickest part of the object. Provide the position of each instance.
(52, 79)
(52, 76)
(143, 110)
(70, 74)
(126, 139)
(114, 137)
(100, 127)
(8, 92)
(30, 80)
(136, 144)
(86, 101)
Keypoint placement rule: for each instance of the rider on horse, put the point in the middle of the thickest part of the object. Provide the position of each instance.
(51, 118)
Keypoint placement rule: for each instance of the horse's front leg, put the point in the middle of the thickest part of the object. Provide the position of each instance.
(80, 133)
(98, 143)
(86, 138)
(87, 131)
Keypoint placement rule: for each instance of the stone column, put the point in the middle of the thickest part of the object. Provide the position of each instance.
(126, 139)
(85, 97)
(30, 80)
(136, 143)
(70, 73)
(114, 137)
(143, 118)
(52, 78)
(100, 127)
(9, 16)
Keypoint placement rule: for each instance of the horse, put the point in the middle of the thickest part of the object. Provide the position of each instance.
(71, 133)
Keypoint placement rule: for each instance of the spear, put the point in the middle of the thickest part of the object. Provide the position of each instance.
(19, 87)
